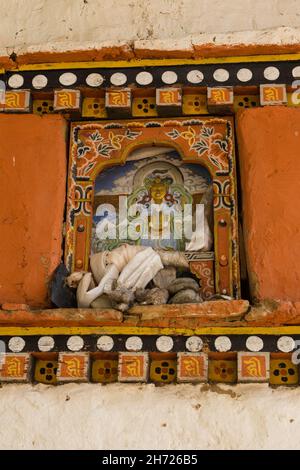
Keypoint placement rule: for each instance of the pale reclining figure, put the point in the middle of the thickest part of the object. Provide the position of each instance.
(128, 266)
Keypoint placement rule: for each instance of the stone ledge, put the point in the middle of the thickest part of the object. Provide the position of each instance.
(158, 50)
(236, 313)
(207, 311)
(272, 313)
(188, 315)
(61, 317)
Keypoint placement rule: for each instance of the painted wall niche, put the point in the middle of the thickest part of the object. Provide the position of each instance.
(169, 165)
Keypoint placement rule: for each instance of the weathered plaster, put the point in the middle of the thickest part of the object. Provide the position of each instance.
(147, 417)
(55, 25)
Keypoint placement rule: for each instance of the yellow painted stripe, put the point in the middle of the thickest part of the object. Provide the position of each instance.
(125, 330)
(158, 62)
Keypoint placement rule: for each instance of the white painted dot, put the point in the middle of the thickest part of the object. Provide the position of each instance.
(75, 343)
(244, 75)
(221, 75)
(39, 81)
(285, 344)
(144, 78)
(164, 343)
(271, 73)
(169, 77)
(118, 78)
(105, 343)
(16, 80)
(222, 344)
(46, 343)
(254, 343)
(194, 344)
(296, 71)
(195, 76)
(16, 344)
(134, 343)
(94, 79)
(68, 78)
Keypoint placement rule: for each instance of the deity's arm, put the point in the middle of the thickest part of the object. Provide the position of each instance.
(85, 297)
(173, 258)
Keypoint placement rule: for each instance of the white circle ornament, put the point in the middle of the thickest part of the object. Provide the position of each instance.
(271, 73)
(46, 343)
(164, 343)
(194, 344)
(296, 71)
(39, 81)
(254, 343)
(134, 343)
(75, 343)
(222, 344)
(195, 76)
(144, 78)
(118, 79)
(94, 79)
(68, 78)
(285, 344)
(16, 80)
(16, 344)
(244, 75)
(221, 75)
(105, 343)
(169, 77)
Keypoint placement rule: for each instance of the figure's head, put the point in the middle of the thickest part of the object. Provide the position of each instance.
(158, 188)
(74, 279)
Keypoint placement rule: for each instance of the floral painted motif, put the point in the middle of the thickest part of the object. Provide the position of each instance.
(206, 143)
(92, 146)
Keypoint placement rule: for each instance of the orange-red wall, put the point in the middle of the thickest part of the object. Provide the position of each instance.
(269, 157)
(32, 196)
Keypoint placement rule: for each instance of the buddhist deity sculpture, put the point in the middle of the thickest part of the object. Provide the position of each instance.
(128, 267)
(158, 192)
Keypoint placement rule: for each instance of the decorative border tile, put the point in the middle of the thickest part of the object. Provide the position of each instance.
(222, 371)
(67, 100)
(192, 367)
(73, 367)
(163, 371)
(15, 367)
(283, 372)
(45, 371)
(104, 370)
(274, 94)
(253, 366)
(133, 367)
(164, 368)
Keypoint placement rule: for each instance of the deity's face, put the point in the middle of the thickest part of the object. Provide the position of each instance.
(158, 192)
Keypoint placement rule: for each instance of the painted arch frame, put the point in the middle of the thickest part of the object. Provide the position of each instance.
(95, 146)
